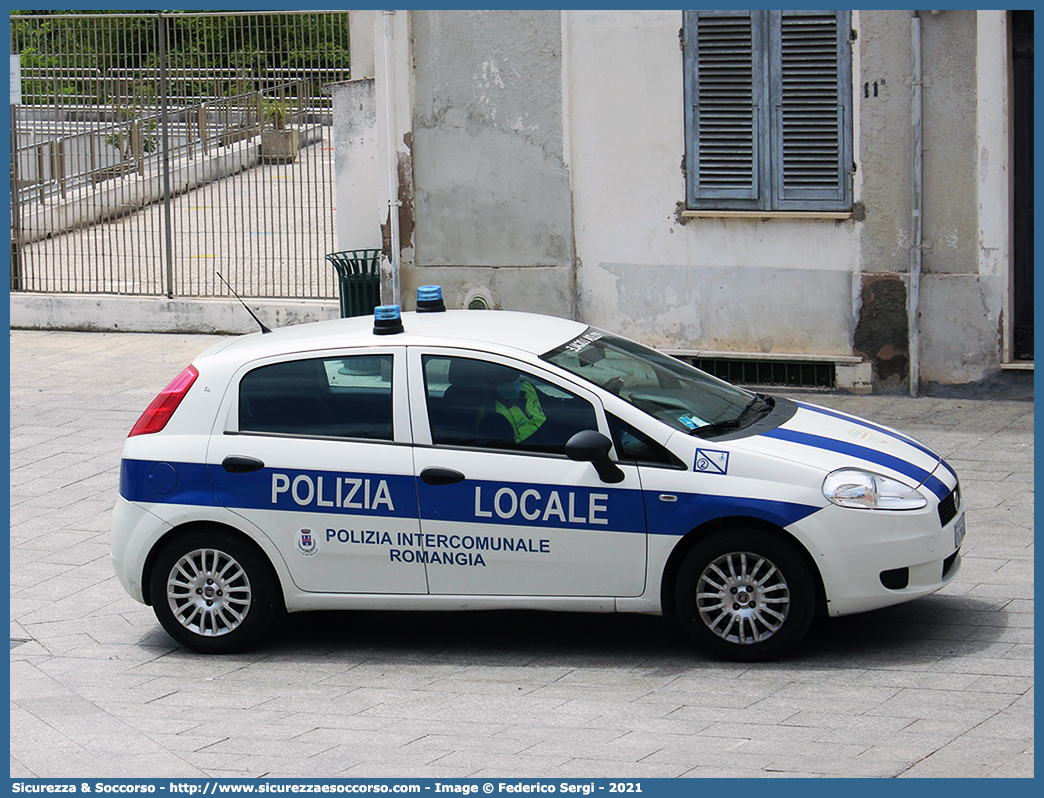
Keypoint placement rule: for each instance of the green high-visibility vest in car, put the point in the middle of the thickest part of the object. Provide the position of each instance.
(525, 420)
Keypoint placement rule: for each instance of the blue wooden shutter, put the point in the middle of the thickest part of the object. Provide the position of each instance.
(727, 130)
(811, 100)
(768, 121)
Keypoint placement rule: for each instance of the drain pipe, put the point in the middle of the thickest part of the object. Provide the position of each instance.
(916, 207)
(393, 160)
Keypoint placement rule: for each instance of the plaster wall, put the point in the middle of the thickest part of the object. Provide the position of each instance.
(884, 97)
(362, 35)
(959, 329)
(995, 170)
(356, 174)
(548, 170)
(491, 187)
(950, 209)
(393, 101)
(959, 314)
(961, 309)
(883, 94)
(747, 285)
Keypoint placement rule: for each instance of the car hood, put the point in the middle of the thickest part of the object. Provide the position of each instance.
(829, 439)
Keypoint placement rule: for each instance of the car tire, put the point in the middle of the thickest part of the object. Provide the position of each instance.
(745, 595)
(213, 592)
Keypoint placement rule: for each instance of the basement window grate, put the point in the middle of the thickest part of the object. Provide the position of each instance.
(790, 374)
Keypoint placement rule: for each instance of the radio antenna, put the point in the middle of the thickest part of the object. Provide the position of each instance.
(260, 323)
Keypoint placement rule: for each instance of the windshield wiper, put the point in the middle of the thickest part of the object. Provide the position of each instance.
(758, 405)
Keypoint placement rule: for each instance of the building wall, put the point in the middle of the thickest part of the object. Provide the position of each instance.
(547, 150)
(962, 294)
(961, 308)
(491, 186)
(772, 285)
(356, 173)
(883, 91)
(790, 285)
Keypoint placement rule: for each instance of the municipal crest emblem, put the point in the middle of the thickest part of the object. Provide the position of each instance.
(307, 542)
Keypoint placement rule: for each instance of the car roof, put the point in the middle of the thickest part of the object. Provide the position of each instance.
(527, 332)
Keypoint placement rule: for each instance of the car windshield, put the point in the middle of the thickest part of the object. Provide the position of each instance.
(666, 388)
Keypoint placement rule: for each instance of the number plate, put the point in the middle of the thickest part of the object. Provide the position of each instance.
(958, 532)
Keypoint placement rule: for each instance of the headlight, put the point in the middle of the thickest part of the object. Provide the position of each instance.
(850, 487)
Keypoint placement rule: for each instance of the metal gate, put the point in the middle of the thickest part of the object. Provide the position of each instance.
(152, 152)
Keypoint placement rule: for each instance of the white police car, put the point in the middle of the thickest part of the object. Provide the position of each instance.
(469, 460)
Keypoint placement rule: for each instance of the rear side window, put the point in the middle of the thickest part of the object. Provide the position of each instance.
(342, 397)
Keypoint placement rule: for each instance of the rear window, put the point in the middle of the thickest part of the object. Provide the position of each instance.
(339, 397)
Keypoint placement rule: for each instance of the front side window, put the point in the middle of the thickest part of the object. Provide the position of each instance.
(487, 405)
(768, 117)
(338, 397)
(666, 388)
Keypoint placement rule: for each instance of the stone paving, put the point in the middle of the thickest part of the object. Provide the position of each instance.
(942, 686)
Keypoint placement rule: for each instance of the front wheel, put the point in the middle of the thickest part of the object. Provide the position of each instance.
(745, 595)
(213, 593)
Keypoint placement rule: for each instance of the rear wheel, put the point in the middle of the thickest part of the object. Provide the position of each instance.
(745, 595)
(212, 592)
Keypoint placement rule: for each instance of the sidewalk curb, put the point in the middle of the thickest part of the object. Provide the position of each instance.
(225, 315)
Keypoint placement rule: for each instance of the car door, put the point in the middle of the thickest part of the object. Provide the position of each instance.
(503, 511)
(315, 453)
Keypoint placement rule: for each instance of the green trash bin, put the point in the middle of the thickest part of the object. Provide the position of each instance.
(359, 275)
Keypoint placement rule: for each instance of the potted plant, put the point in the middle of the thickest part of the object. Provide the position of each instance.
(279, 143)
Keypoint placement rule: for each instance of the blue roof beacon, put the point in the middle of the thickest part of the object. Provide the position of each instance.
(387, 320)
(429, 299)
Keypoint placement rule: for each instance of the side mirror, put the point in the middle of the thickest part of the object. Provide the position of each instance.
(593, 447)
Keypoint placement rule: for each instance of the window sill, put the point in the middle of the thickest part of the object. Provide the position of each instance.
(719, 214)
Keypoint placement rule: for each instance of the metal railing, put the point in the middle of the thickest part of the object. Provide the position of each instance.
(106, 151)
(92, 87)
(138, 160)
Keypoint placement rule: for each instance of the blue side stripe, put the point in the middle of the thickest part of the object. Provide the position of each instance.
(182, 483)
(310, 491)
(479, 502)
(884, 430)
(269, 489)
(934, 484)
(693, 509)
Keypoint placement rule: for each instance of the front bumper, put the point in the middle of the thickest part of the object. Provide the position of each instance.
(875, 558)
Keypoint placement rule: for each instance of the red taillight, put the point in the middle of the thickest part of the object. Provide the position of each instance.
(163, 406)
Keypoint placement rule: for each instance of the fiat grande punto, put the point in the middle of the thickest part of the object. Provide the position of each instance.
(467, 460)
